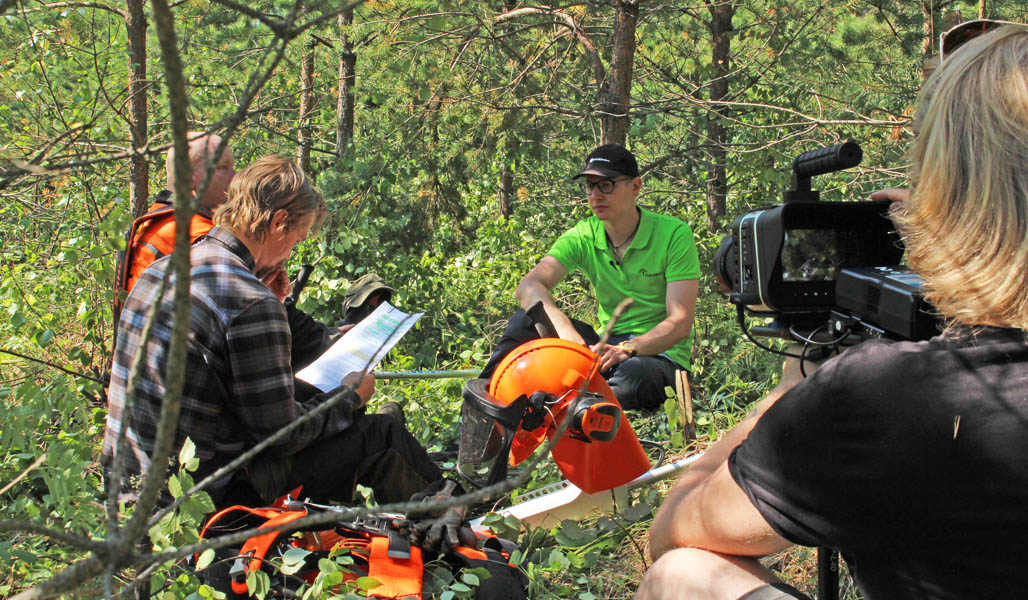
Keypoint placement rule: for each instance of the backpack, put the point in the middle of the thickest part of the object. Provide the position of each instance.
(378, 545)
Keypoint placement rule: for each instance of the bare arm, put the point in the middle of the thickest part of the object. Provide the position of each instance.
(707, 509)
(681, 308)
(535, 287)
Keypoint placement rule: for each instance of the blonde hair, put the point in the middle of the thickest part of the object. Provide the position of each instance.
(966, 223)
(269, 184)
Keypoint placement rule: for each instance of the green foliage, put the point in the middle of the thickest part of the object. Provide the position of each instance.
(49, 436)
(448, 99)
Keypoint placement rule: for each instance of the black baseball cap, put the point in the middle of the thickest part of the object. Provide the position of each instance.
(610, 160)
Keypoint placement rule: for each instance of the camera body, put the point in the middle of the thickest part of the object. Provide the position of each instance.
(824, 271)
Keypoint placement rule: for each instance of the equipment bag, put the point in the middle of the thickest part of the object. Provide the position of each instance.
(379, 546)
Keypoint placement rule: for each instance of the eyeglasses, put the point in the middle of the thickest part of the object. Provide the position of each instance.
(606, 186)
(960, 34)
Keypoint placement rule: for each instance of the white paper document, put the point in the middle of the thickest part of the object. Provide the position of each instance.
(362, 347)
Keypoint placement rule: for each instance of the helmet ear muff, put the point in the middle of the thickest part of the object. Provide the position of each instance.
(594, 419)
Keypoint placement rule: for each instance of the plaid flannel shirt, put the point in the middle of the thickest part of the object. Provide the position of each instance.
(239, 384)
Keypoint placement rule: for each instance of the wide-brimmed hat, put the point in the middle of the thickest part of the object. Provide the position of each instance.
(361, 289)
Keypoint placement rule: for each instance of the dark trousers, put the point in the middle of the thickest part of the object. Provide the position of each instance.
(376, 451)
(638, 382)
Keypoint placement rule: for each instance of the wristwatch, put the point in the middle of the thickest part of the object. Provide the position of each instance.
(628, 347)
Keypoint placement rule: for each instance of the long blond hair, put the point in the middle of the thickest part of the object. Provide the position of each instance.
(269, 184)
(966, 223)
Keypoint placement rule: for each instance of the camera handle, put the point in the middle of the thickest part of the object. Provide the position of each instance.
(818, 162)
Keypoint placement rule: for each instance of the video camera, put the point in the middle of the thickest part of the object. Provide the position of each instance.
(828, 273)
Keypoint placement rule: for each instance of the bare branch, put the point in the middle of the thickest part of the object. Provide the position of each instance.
(276, 25)
(54, 534)
(24, 474)
(68, 579)
(567, 20)
(52, 5)
(52, 365)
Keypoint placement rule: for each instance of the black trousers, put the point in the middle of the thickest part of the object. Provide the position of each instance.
(376, 451)
(638, 382)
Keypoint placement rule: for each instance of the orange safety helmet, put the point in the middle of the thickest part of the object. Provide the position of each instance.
(536, 387)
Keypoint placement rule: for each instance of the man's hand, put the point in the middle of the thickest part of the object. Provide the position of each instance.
(278, 282)
(362, 384)
(444, 533)
(609, 355)
(896, 195)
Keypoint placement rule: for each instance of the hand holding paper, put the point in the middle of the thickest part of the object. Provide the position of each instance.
(360, 348)
(363, 385)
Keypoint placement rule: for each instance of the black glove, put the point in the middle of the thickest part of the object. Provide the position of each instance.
(437, 530)
(442, 534)
(443, 489)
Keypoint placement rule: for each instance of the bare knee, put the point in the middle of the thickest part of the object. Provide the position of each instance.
(694, 574)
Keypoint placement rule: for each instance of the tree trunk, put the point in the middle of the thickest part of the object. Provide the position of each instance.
(721, 14)
(928, 29)
(507, 193)
(510, 146)
(303, 152)
(614, 106)
(981, 9)
(347, 75)
(139, 186)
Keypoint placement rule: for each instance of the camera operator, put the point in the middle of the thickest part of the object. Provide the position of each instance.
(910, 458)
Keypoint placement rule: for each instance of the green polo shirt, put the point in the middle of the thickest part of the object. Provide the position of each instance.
(663, 250)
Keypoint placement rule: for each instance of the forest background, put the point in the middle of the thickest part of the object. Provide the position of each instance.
(443, 134)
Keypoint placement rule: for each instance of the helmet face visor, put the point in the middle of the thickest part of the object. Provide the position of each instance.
(481, 437)
(487, 430)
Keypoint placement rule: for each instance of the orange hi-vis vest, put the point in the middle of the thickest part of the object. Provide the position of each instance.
(151, 237)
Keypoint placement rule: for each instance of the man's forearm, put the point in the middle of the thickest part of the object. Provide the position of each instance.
(667, 531)
(663, 336)
(529, 292)
(680, 306)
(673, 526)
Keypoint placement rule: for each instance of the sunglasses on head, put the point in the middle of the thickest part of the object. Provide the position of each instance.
(960, 34)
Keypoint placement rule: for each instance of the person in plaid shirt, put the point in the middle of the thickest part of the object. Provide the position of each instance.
(240, 388)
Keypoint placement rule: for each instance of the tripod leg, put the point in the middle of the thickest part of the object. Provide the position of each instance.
(827, 574)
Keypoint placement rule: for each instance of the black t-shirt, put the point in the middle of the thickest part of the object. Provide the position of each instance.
(909, 458)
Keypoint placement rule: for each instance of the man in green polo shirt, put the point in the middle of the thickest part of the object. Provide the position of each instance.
(625, 252)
